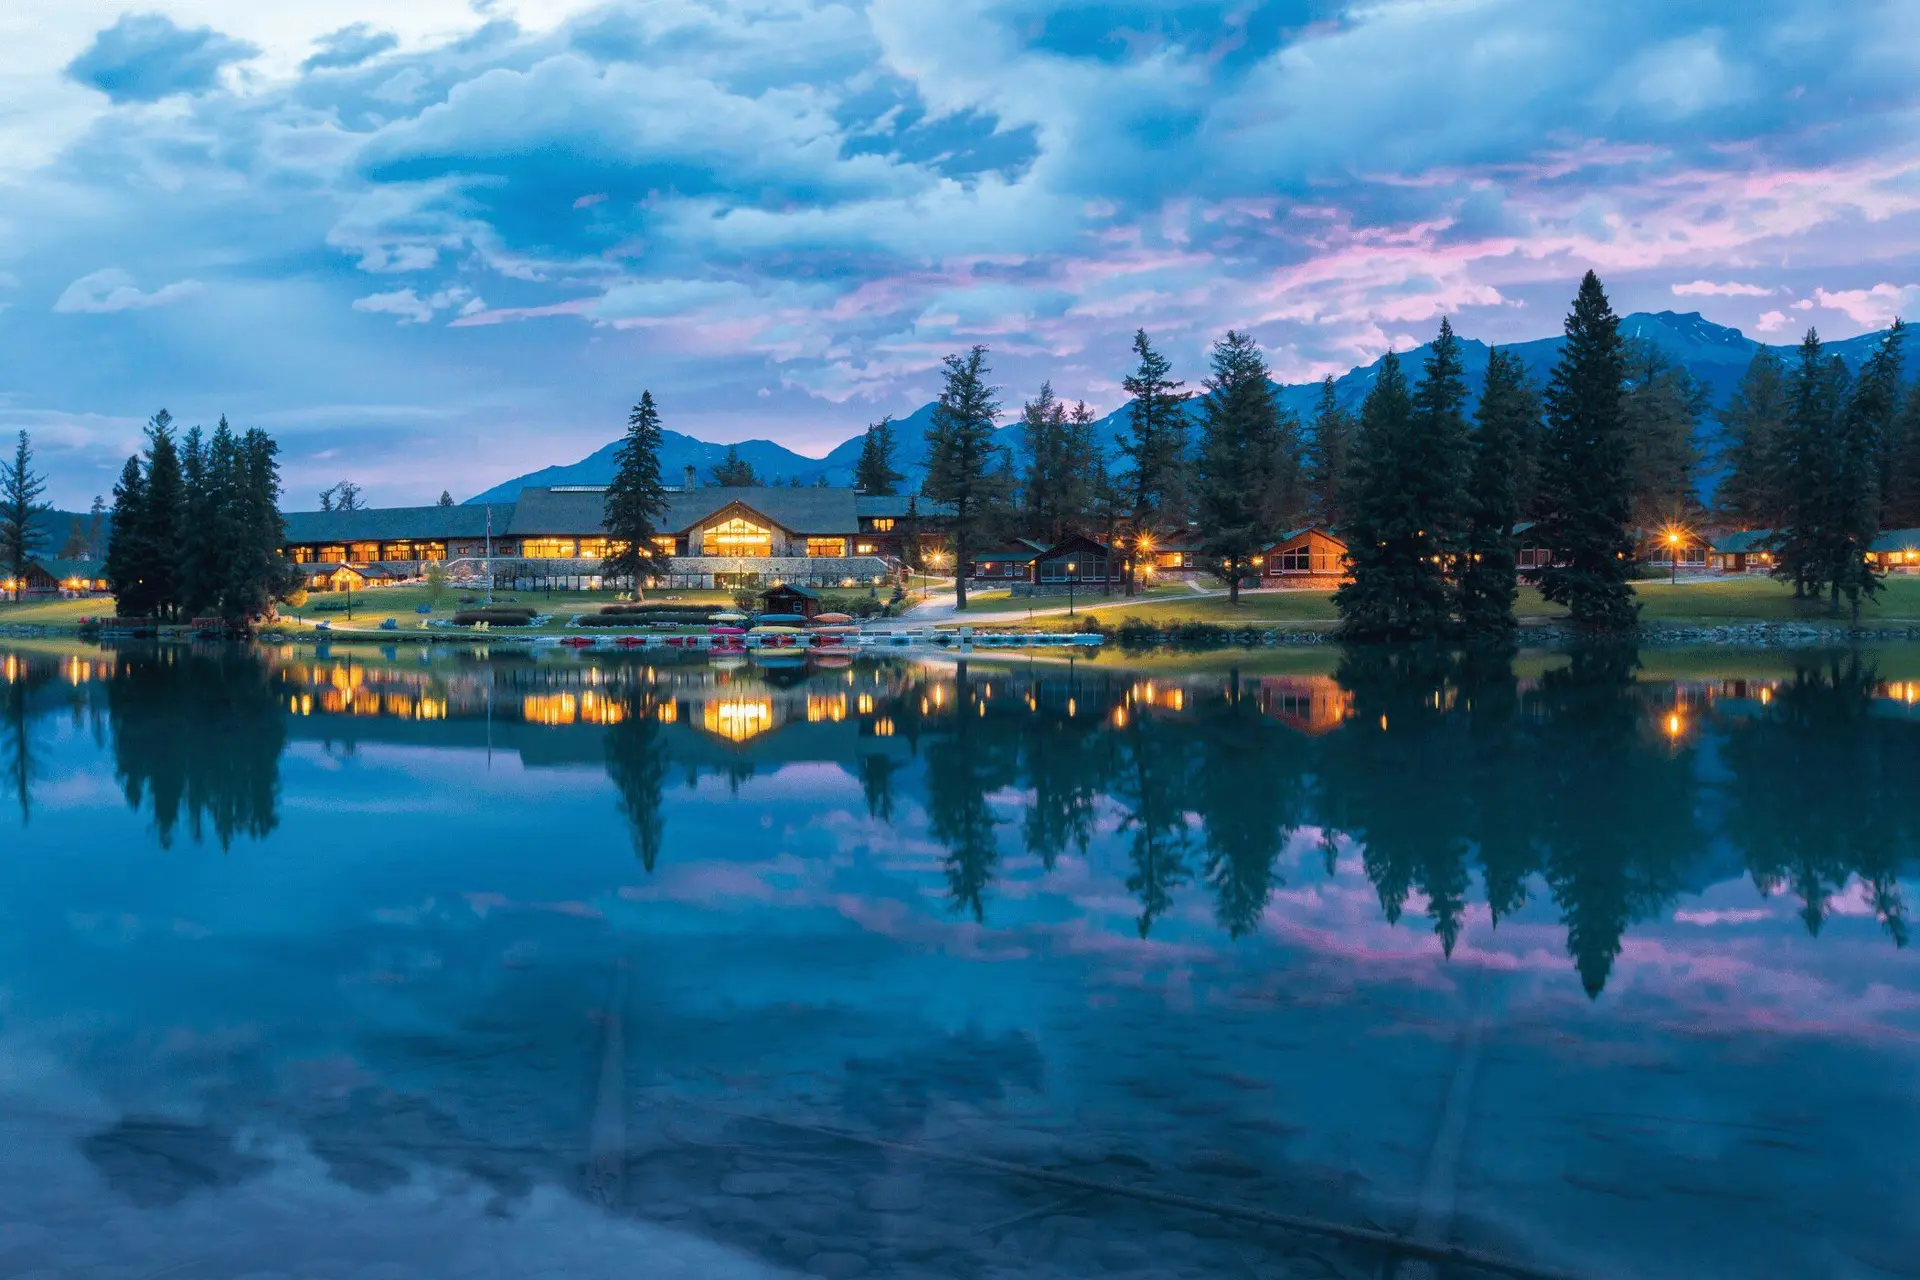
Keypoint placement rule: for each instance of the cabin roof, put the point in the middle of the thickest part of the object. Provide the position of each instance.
(394, 524)
(62, 569)
(1742, 542)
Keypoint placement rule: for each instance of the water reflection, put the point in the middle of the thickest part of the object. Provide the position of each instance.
(1452, 779)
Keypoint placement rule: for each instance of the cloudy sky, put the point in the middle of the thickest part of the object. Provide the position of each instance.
(437, 244)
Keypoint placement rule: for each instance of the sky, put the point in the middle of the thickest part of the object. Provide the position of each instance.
(434, 245)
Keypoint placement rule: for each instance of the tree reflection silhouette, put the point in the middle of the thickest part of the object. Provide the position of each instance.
(963, 766)
(638, 766)
(1823, 792)
(198, 735)
(1251, 790)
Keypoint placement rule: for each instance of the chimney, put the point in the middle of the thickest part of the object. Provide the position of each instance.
(693, 479)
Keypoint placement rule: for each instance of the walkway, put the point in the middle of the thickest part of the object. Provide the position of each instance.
(939, 607)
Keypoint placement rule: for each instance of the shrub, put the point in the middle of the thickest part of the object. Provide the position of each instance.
(493, 617)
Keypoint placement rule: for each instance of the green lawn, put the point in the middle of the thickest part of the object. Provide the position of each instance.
(57, 613)
(1763, 599)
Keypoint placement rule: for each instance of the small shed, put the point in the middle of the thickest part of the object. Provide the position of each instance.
(786, 598)
(1011, 563)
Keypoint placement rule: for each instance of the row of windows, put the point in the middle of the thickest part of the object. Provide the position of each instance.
(732, 538)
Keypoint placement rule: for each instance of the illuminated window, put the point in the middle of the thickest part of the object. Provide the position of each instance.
(737, 719)
(1296, 560)
(865, 548)
(364, 552)
(737, 537)
(549, 548)
(303, 555)
(596, 548)
(881, 524)
(396, 551)
(333, 555)
(826, 546)
(431, 550)
(666, 544)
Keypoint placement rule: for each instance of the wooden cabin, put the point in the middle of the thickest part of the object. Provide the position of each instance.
(790, 599)
(1313, 558)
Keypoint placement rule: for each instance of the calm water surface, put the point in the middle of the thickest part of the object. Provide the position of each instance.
(388, 965)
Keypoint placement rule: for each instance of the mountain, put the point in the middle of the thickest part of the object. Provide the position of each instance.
(1715, 354)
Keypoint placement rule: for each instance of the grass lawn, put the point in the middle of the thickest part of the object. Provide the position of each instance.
(56, 613)
(1757, 599)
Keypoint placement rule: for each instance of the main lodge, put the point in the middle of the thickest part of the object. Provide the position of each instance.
(714, 537)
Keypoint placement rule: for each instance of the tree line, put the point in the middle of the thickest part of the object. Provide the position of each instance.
(197, 530)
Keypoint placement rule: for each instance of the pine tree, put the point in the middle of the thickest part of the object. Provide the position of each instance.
(1586, 492)
(734, 471)
(161, 512)
(1801, 542)
(636, 501)
(1505, 420)
(75, 546)
(1662, 405)
(1755, 421)
(446, 498)
(344, 496)
(1389, 555)
(1327, 449)
(1241, 448)
(200, 555)
(1155, 444)
(1439, 459)
(97, 528)
(1053, 496)
(21, 537)
(127, 556)
(1865, 423)
(961, 467)
(258, 574)
(873, 473)
(1901, 510)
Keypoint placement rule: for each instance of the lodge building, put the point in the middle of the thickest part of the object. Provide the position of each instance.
(714, 537)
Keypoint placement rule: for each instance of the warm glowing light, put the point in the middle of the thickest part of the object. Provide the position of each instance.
(831, 708)
(1120, 717)
(1072, 707)
(883, 727)
(865, 704)
(737, 719)
(1674, 725)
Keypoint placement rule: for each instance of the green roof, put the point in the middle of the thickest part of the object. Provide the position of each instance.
(395, 524)
(55, 567)
(1897, 540)
(1744, 542)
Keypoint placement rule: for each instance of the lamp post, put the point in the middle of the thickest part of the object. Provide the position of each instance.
(1673, 542)
(1070, 568)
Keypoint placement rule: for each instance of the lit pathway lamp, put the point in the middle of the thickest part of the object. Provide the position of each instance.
(1071, 566)
(1673, 546)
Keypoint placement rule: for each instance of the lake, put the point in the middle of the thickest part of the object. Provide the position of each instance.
(456, 963)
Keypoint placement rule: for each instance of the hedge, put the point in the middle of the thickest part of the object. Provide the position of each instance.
(493, 617)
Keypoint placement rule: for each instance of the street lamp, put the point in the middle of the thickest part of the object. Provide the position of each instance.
(1070, 568)
(1673, 545)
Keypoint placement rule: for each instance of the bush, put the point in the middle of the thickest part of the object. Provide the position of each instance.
(631, 609)
(493, 617)
(652, 619)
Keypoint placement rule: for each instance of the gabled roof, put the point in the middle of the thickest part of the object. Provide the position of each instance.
(1023, 553)
(1742, 542)
(1296, 534)
(1897, 540)
(790, 588)
(392, 524)
(64, 570)
(1073, 542)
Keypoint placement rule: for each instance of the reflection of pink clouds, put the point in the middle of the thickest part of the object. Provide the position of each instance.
(484, 904)
(1743, 915)
(713, 884)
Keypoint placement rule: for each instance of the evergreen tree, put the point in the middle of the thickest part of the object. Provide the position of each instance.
(200, 555)
(1755, 421)
(1241, 450)
(1506, 417)
(21, 537)
(1389, 593)
(127, 555)
(1326, 469)
(1586, 493)
(961, 466)
(75, 546)
(1662, 405)
(97, 528)
(1155, 443)
(873, 473)
(1854, 521)
(1801, 543)
(734, 471)
(258, 574)
(161, 513)
(446, 498)
(1053, 498)
(1439, 461)
(636, 501)
(344, 496)
(1901, 509)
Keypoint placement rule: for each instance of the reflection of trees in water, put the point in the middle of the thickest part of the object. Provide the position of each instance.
(16, 746)
(1822, 792)
(962, 767)
(637, 765)
(1250, 788)
(198, 735)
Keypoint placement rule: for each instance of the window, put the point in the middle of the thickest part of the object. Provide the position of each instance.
(596, 548)
(333, 555)
(866, 548)
(549, 549)
(303, 555)
(396, 551)
(431, 550)
(1074, 569)
(364, 552)
(826, 546)
(667, 545)
(881, 524)
(736, 537)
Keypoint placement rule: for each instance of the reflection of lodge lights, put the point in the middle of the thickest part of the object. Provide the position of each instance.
(883, 727)
(15, 669)
(829, 708)
(568, 708)
(1072, 708)
(1675, 724)
(1119, 717)
(737, 719)
(866, 704)
(667, 712)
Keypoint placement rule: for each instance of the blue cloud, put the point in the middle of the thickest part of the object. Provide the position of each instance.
(144, 57)
(349, 47)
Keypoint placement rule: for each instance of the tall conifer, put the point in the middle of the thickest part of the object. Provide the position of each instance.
(636, 500)
(161, 512)
(1506, 418)
(873, 472)
(1242, 452)
(21, 535)
(1388, 551)
(1155, 444)
(1865, 423)
(1755, 422)
(962, 468)
(127, 555)
(1586, 489)
(1328, 443)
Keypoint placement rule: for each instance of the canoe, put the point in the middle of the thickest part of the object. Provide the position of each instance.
(832, 619)
(833, 661)
(776, 630)
(726, 631)
(780, 620)
(577, 642)
(728, 615)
